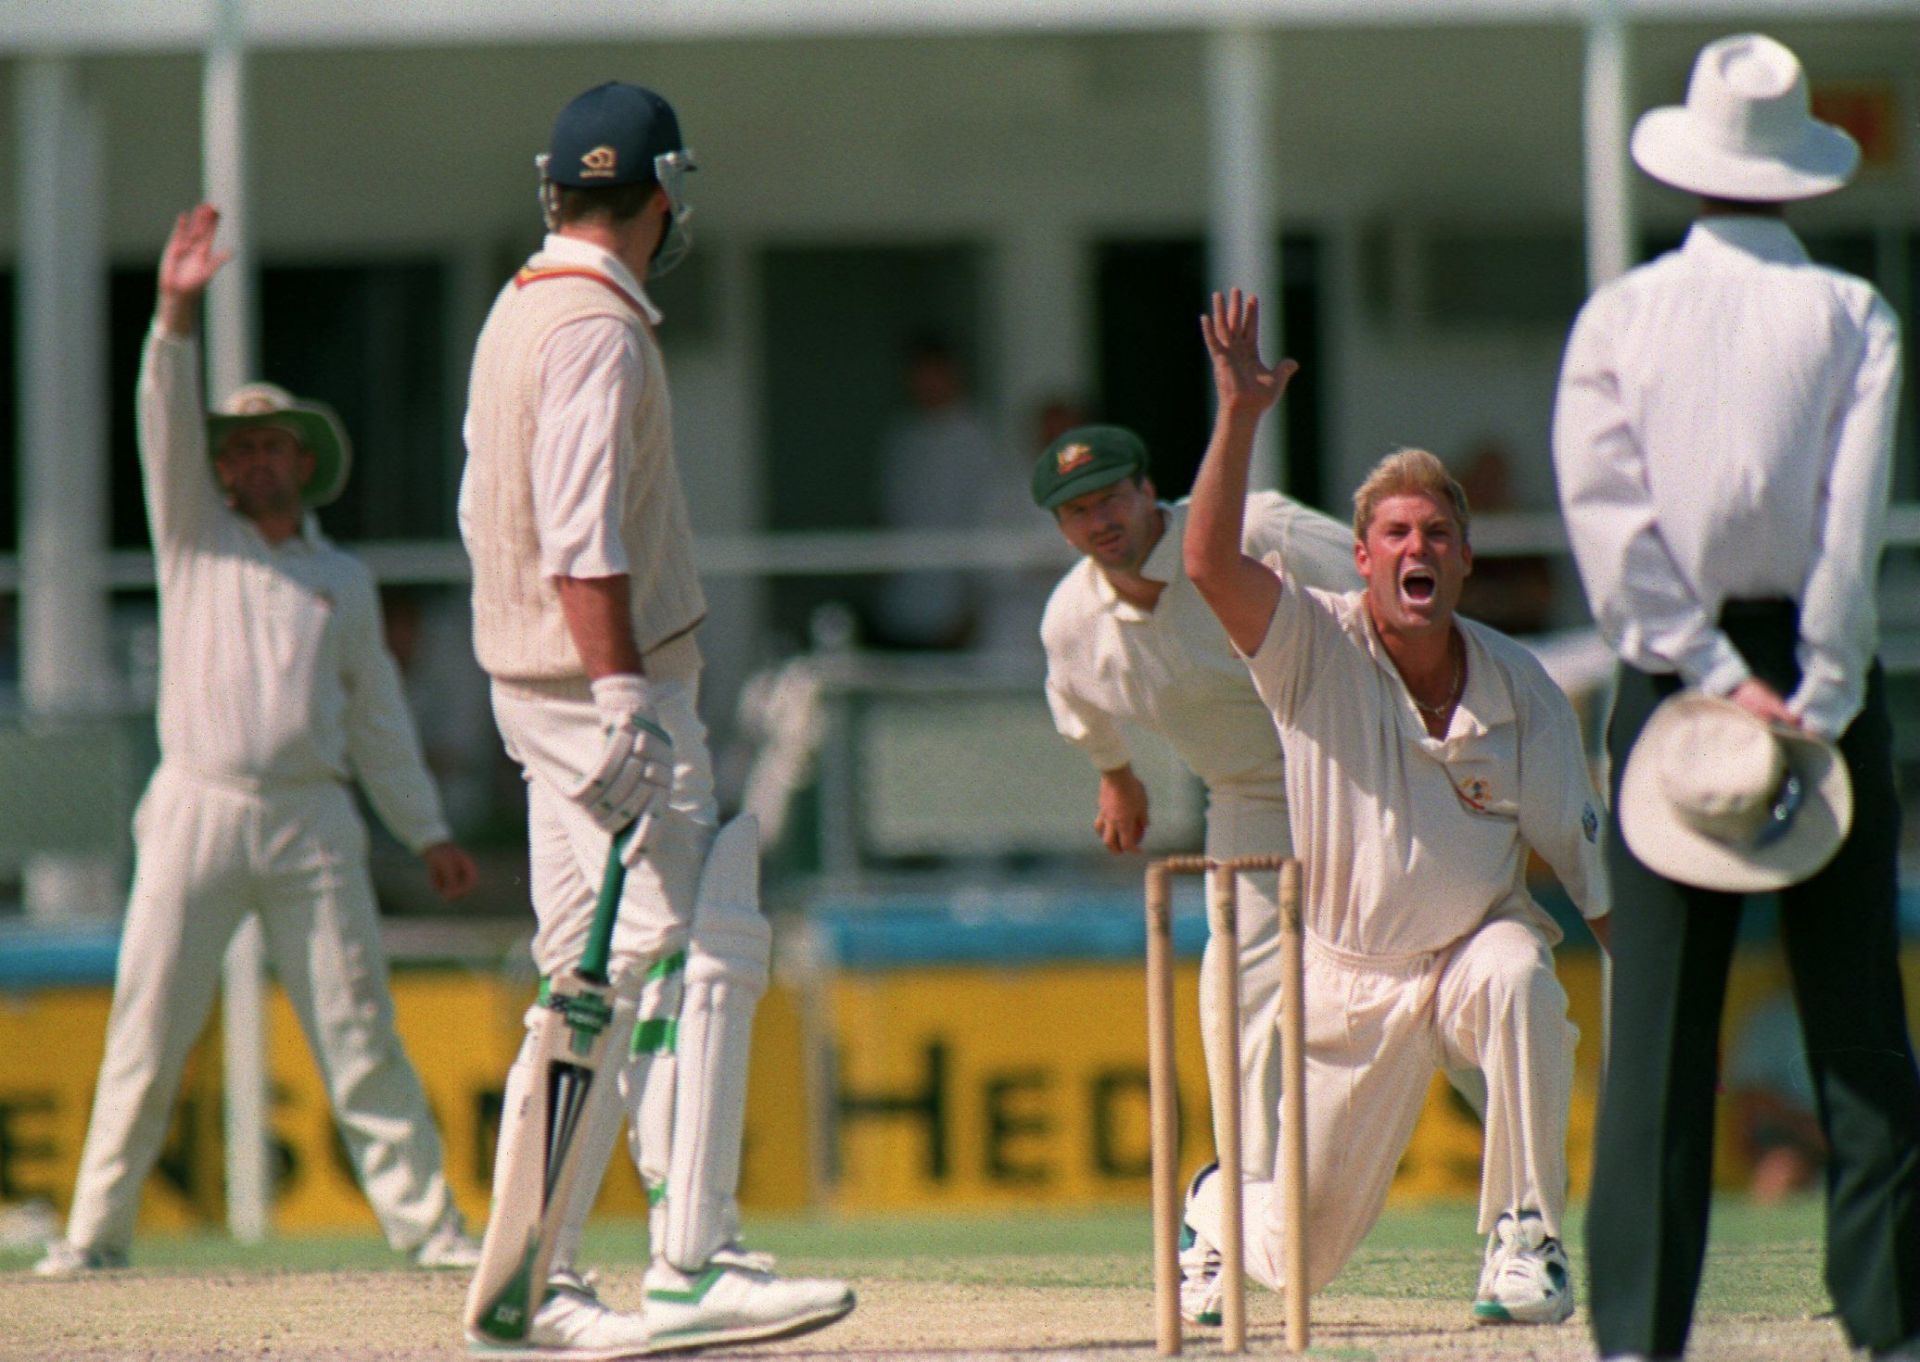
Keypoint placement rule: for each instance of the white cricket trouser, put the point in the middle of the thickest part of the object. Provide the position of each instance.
(1376, 1031)
(555, 733)
(1250, 824)
(209, 853)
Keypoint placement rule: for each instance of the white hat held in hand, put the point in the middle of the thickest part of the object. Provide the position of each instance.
(1719, 799)
(1747, 131)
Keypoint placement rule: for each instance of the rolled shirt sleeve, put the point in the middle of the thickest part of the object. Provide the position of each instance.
(1838, 618)
(1641, 601)
(1086, 726)
(1561, 815)
(589, 383)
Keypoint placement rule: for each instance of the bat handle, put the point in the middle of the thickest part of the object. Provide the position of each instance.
(593, 961)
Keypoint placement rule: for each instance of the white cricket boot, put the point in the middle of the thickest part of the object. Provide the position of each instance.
(572, 1326)
(727, 1303)
(1201, 1291)
(449, 1246)
(64, 1259)
(1526, 1279)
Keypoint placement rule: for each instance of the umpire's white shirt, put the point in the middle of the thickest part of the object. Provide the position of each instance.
(1172, 670)
(273, 667)
(1415, 841)
(1724, 431)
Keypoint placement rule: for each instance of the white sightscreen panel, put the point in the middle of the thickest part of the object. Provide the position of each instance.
(985, 775)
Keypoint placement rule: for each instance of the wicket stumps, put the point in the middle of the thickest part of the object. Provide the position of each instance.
(1163, 1110)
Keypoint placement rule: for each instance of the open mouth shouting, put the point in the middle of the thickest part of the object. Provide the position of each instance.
(1419, 585)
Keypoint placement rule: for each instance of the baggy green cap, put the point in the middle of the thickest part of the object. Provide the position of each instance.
(1085, 459)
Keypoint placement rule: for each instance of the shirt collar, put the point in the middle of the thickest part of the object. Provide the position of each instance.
(1484, 702)
(1764, 238)
(571, 250)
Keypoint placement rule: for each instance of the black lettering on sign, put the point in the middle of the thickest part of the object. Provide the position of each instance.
(1007, 1124)
(16, 1148)
(487, 1106)
(1119, 1100)
(926, 1103)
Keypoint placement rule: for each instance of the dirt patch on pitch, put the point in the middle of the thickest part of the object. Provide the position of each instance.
(412, 1317)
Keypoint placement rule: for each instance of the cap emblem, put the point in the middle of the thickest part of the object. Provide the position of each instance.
(1071, 457)
(599, 164)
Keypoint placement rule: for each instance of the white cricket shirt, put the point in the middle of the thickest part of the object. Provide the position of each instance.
(589, 376)
(1724, 431)
(1412, 841)
(273, 668)
(1171, 669)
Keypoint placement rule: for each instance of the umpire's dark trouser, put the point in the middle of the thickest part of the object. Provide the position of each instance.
(1672, 945)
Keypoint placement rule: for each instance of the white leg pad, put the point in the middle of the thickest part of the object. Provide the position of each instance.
(728, 954)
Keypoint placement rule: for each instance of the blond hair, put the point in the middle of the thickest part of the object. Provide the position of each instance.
(1403, 471)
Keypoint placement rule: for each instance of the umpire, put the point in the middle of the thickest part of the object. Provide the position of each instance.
(1723, 438)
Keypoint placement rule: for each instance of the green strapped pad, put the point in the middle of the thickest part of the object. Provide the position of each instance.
(655, 1036)
(671, 964)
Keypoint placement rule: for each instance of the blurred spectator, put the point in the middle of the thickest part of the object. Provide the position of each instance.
(1771, 1089)
(938, 470)
(1514, 594)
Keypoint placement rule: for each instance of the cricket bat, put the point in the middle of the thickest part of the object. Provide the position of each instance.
(572, 1046)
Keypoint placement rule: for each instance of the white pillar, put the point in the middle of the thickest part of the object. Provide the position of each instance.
(231, 361)
(1243, 238)
(1043, 339)
(1610, 225)
(66, 657)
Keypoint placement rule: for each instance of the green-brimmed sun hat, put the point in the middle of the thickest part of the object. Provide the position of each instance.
(313, 424)
(1085, 459)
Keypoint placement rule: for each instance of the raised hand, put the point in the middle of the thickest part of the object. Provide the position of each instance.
(188, 263)
(1240, 378)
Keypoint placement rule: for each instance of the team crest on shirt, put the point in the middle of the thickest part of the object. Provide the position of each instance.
(1474, 793)
(1072, 457)
(599, 164)
(1590, 824)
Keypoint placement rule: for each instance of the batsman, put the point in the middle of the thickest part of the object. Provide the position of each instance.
(586, 613)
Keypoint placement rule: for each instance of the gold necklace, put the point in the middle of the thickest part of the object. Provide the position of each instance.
(1453, 689)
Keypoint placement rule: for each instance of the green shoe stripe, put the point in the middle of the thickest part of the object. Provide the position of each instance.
(693, 1294)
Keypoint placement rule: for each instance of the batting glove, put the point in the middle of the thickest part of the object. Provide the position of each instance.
(635, 771)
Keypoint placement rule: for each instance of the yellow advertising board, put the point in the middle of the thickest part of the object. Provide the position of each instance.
(925, 1087)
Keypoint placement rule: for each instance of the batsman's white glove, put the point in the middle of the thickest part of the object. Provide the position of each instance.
(635, 770)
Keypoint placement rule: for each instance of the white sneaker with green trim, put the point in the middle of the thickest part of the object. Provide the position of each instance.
(572, 1326)
(1201, 1289)
(1526, 1279)
(728, 1302)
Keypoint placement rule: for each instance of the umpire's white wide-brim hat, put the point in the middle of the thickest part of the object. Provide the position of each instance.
(1717, 798)
(1747, 131)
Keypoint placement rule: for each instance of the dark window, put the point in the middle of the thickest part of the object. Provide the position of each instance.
(1154, 376)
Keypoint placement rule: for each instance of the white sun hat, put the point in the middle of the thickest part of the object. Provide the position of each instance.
(1717, 798)
(1747, 131)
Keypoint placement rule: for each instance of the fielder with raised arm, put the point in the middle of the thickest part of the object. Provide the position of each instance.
(586, 607)
(1425, 755)
(276, 689)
